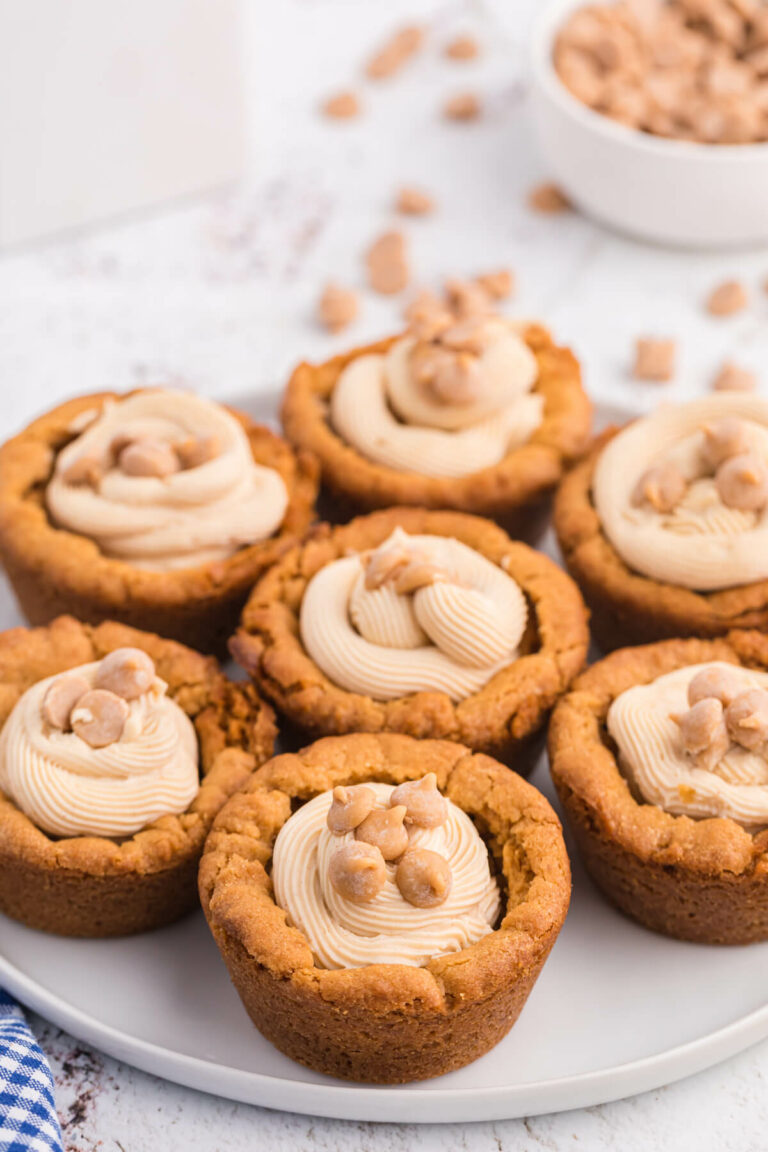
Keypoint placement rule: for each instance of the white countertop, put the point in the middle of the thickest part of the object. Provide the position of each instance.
(219, 293)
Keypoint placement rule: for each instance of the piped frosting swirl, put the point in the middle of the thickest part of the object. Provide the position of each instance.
(683, 494)
(418, 614)
(165, 479)
(386, 927)
(77, 768)
(449, 406)
(682, 741)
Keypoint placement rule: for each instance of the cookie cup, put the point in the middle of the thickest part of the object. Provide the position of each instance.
(503, 719)
(55, 571)
(704, 880)
(385, 1023)
(626, 607)
(511, 491)
(94, 886)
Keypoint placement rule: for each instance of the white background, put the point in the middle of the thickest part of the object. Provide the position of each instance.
(219, 294)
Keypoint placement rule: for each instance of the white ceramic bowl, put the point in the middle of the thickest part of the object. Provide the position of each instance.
(669, 191)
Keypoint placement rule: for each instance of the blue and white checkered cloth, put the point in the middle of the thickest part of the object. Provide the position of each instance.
(28, 1121)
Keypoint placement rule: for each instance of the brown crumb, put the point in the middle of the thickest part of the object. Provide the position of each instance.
(462, 106)
(732, 378)
(337, 307)
(499, 285)
(387, 264)
(464, 47)
(727, 298)
(414, 202)
(654, 359)
(548, 198)
(341, 106)
(396, 52)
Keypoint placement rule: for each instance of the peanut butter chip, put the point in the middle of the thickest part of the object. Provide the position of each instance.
(341, 106)
(337, 307)
(349, 807)
(382, 565)
(548, 199)
(154, 458)
(357, 871)
(723, 439)
(463, 47)
(423, 803)
(498, 285)
(704, 733)
(60, 699)
(99, 717)
(747, 719)
(732, 378)
(470, 335)
(127, 672)
(384, 828)
(654, 359)
(87, 470)
(395, 53)
(387, 264)
(714, 683)
(417, 575)
(727, 298)
(662, 486)
(414, 202)
(467, 298)
(424, 878)
(742, 482)
(462, 106)
(197, 450)
(427, 317)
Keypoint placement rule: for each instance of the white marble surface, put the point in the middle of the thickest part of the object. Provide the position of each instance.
(219, 293)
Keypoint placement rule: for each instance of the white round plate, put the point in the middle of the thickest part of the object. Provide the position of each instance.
(617, 1010)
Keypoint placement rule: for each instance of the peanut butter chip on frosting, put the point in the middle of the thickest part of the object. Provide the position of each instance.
(99, 717)
(424, 878)
(385, 829)
(747, 719)
(423, 803)
(149, 458)
(357, 871)
(349, 808)
(128, 672)
(60, 699)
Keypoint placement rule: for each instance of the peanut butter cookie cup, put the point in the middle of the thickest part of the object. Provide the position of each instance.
(660, 759)
(433, 624)
(664, 526)
(156, 508)
(466, 412)
(117, 750)
(370, 959)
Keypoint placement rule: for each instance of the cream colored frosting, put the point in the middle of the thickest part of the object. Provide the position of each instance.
(192, 517)
(701, 544)
(451, 636)
(387, 930)
(69, 788)
(652, 755)
(378, 407)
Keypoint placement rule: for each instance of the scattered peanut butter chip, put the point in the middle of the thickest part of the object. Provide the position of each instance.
(86, 471)
(341, 106)
(463, 106)
(337, 307)
(414, 202)
(467, 298)
(463, 47)
(727, 298)
(499, 285)
(395, 53)
(61, 697)
(128, 672)
(654, 359)
(548, 199)
(99, 717)
(387, 264)
(732, 378)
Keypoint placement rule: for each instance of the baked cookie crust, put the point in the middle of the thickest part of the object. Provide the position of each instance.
(502, 719)
(628, 608)
(54, 571)
(385, 1023)
(704, 880)
(93, 886)
(525, 476)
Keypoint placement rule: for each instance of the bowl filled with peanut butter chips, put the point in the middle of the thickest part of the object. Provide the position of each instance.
(653, 115)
